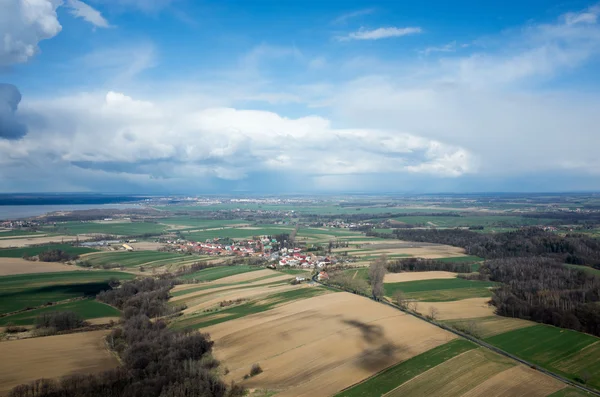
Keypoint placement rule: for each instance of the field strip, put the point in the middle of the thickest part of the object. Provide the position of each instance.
(320, 345)
(14, 266)
(517, 381)
(460, 309)
(417, 276)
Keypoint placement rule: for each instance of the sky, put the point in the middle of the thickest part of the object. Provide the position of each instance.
(271, 96)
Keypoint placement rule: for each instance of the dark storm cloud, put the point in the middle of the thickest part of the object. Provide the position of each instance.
(10, 127)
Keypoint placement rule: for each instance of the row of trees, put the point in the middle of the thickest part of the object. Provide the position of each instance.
(543, 290)
(53, 256)
(573, 248)
(156, 360)
(426, 265)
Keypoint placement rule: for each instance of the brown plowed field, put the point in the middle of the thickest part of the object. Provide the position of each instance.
(517, 381)
(416, 276)
(9, 266)
(466, 308)
(318, 346)
(22, 361)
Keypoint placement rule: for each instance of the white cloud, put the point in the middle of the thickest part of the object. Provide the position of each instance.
(351, 15)
(118, 134)
(380, 33)
(588, 16)
(148, 6)
(81, 10)
(450, 47)
(23, 24)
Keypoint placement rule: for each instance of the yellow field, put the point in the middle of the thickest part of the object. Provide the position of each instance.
(478, 372)
(22, 361)
(455, 376)
(466, 308)
(318, 346)
(486, 327)
(10, 266)
(517, 381)
(416, 276)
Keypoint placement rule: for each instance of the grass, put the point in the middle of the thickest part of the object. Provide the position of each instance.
(17, 233)
(488, 221)
(138, 258)
(112, 228)
(570, 392)
(36, 250)
(573, 354)
(204, 235)
(246, 309)
(398, 374)
(440, 290)
(198, 223)
(294, 271)
(87, 309)
(215, 273)
(32, 290)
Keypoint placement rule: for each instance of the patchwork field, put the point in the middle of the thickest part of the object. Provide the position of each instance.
(238, 232)
(36, 250)
(215, 273)
(440, 290)
(33, 290)
(320, 345)
(35, 240)
(573, 354)
(88, 309)
(485, 327)
(22, 361)
(151, 259)
(110, 228)
(9, 266)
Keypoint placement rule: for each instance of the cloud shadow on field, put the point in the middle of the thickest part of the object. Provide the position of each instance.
(381, 352)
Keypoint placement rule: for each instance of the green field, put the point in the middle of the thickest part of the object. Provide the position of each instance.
(570, 353)
(32, 251)
(198, 223)
(295, 271)
(32, 290)
(393, 377)
(208, 319)
(215, 273)
(488, 221)
(120, 229)
(139, 258)
(17, 233)
(87, 309)
(440, 290)
(204, 235)
(570, 392)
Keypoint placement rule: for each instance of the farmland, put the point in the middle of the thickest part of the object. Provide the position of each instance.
(22, 361)
(573, 354)
(87, 309)
(441, 290)
(36, 250)
(139, 258)
(32, 290)
(12, 266)
(233, 232)
(215, 273)
(355, 338)
(109, 228)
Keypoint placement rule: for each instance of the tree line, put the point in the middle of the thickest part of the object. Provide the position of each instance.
(426, 265)
(156, 361)
(545, 291)
(573, 248)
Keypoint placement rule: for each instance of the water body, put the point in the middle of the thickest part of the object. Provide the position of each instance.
(10, 212)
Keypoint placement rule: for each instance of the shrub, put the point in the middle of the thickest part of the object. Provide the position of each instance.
(255, 370)
(59, 321)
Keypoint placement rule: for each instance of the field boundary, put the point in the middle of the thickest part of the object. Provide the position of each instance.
(474, 340)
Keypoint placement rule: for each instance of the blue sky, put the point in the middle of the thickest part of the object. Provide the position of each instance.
(190, 96)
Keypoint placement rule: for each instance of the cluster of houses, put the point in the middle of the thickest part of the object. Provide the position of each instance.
(259, 248)
(294, 257)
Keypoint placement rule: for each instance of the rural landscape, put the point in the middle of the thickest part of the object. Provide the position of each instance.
(358, 296)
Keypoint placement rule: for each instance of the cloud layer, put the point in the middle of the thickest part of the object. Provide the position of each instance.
(380, 33)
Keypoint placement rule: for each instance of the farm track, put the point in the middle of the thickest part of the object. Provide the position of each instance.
(478, 342)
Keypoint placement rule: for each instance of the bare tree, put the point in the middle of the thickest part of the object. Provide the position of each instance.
(413, 306)
(400, 300)
(433, 313)
(377, 271)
